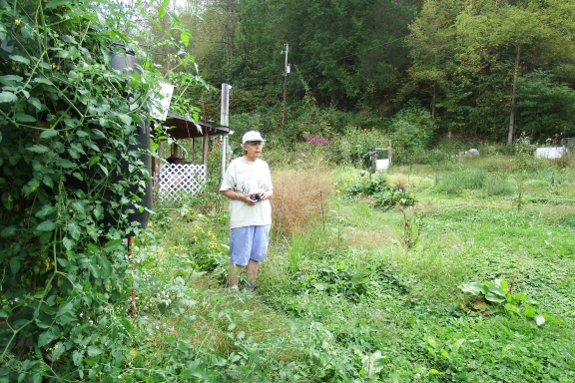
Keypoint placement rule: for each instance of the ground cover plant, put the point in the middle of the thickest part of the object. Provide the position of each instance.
(485, 294)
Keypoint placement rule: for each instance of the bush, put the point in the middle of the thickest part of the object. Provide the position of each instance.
(412, 129)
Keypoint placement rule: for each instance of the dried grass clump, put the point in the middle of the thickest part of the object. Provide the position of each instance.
(300, 197)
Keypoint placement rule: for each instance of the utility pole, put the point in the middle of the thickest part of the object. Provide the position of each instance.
(286, 71)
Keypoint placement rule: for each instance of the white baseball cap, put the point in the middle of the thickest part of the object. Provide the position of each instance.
(252, 135)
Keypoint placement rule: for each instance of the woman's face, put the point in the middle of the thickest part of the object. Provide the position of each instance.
(253, 149)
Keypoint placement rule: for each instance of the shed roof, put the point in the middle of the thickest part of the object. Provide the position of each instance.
(181, 127)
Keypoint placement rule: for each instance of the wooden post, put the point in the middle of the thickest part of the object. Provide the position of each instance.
(206, 147)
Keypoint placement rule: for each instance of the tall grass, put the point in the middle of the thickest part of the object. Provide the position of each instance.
(456, 182)
(300, 197)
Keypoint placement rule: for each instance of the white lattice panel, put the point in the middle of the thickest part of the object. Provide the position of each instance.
(179, 180)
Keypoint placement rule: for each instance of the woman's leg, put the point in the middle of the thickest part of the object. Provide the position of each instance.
(252, 272)
(234, 274)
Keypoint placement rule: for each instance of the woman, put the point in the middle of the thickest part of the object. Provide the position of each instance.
(248, 184)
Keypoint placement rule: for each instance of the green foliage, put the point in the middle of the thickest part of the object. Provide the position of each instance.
(412, 128)
(383, 196)
(499, 292)
(72, 181)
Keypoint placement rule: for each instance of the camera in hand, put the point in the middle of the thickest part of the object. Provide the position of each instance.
(255, 197)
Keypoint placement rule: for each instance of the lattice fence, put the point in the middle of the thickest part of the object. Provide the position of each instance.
(178, 180)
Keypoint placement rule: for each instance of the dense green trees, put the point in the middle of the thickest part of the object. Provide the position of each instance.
(488, 68)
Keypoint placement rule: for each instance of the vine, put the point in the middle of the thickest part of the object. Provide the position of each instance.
(73, 177)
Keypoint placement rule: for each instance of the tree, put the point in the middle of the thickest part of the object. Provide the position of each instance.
(501, 40)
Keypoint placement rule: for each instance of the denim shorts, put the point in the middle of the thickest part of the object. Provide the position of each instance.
(248, 242)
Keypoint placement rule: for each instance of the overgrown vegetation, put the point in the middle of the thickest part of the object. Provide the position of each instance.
(447, 268)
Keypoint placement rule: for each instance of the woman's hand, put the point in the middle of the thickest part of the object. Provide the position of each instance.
(265, 195)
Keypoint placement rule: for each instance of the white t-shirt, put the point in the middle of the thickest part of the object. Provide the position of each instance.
(248, 177)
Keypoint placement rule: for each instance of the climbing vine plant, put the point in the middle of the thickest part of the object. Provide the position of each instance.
(72, 178)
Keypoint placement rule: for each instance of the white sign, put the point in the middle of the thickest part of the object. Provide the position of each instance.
(161, 101)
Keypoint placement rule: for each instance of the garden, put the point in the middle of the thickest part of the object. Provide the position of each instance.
(444, 268)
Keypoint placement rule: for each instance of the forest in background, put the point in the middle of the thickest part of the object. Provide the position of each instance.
(484, 70)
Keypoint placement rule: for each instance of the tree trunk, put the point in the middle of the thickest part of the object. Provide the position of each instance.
(513, 95)
(433, 105)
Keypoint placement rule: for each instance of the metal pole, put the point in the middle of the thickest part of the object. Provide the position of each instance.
(285, 84)
(224, 118)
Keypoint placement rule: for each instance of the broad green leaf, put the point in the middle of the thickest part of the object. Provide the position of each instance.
(9, 79)
(68, 39)
(45, 338)
(35, 103)
(77, 357)
(78, 207)
(530, 311)
(113, 245)
(104, 169)
(74, 230)
(49, 134)
(520, 297)
(495, 295)
(22, 117)
(30, 187)
(47, 225)
(512, 308)
(471, 287)
(57, 3)
(503, 285)
(15, 264)
(68, 244)
(65, 163)
(539, 319)
(0, 141)
(43, 80)
(57, 351)
(127, 324)
(2, 32)
(125, 119)
(94, 270)
(8, 232)
(93, 160)
(40, 149)
(46, 209)
(7, 97)
(20, 59)
(98, 133)
(94, 350)
(66, 308)
(98, 212)
(105, 267)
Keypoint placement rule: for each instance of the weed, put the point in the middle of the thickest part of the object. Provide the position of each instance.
(410, 228)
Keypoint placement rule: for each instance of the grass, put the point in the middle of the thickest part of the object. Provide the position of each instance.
(340, 289)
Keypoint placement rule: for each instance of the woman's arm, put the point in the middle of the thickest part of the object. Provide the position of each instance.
(233, 195)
